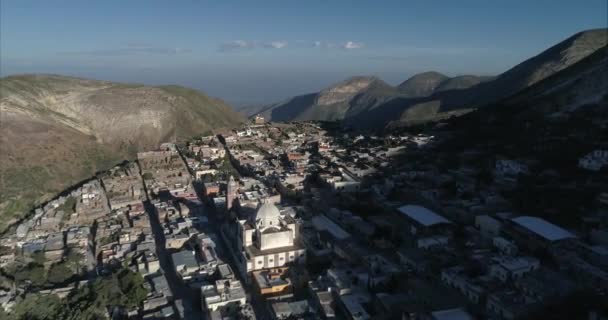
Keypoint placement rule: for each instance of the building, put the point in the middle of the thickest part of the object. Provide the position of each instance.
(488, 226)
(422, 221)
(273, 241)
(211, 189)
(533, 232)
(185, 263)
(272, 282)
(513, 268)
(258, 119)
(224, 293)
(451, 314)
(266, 240)
(594, 161)
(231, 193)
(290, 310)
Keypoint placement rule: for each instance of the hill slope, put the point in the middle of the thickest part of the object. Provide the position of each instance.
(56, 131)
(333, 102)
(422, 84)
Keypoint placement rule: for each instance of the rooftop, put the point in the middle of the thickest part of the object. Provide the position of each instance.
(422, 215)
(321, 222)
(451, 314)
(543, 228)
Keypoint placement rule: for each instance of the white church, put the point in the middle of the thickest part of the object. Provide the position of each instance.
(266, 240)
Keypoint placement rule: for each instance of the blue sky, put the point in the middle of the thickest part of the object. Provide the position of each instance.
(263, 51)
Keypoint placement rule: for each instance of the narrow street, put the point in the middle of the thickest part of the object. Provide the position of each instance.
(179, 289)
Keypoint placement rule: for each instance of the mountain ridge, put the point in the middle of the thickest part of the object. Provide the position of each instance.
(422, 98)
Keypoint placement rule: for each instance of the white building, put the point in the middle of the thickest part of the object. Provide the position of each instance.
(345, 182)
(514, 268)
(224, 292)
(267, 240)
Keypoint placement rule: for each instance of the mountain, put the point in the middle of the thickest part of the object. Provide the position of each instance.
(432, 96)
(332, 103)
(582, 85)
(462, 82)
(422, 84)
(445, 104)
(59, 130)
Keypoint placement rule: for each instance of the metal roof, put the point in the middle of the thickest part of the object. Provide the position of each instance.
(543, 228)
(422, 215)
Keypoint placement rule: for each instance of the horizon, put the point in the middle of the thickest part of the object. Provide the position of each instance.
(160, 43)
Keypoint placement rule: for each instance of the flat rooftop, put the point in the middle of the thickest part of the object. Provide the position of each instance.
(321, 222)
(543, 228)
(422, 215)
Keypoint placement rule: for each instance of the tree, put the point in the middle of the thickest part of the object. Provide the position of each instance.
(37, 307)
(33, 273)
(39, 257)
(122, 288)
(148, 176)
(73, 260)
(59, 273)
(69, 206)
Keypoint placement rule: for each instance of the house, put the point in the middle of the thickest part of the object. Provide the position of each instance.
(509, 168)
(290, 310)
(185, 263)
(225, 292)
(504, 246)
(533, 232)
(594, 161)
(487, 225)
(450, 314)
(272, 282)
(513, 268)
(258, 120)
(422, 221)
(211, 189)
(507, 304)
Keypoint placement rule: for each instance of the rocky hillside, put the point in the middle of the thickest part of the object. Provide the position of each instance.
(422, 84)
(432, 96)
(332, 103)
(59, 130)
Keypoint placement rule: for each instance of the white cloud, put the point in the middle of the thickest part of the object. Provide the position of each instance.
(237, 45)
(276, 44)
(352, 45)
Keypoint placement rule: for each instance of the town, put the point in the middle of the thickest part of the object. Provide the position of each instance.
(306, 220)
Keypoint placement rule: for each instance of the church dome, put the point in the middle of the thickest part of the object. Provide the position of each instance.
(268, 215)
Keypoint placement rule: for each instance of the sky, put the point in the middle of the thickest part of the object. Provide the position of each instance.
(256, 52)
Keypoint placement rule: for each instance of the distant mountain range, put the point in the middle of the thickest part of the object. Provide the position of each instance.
(370, 103)
(56, 130)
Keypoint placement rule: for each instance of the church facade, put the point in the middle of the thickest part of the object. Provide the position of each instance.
(267, 240)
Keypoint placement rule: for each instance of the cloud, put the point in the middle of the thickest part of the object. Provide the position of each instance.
(324, 44)
(276, 44)
(236, 45)
(352, 45)
(130, 49)
(239, 45)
